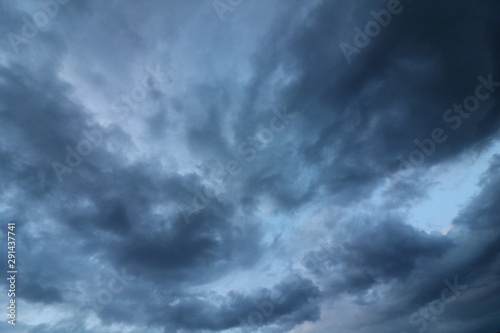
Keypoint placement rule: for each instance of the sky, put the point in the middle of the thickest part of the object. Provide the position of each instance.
(251, 166)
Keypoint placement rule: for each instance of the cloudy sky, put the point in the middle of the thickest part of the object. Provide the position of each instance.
(251, 166)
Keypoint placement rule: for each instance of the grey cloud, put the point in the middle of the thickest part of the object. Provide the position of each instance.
(123, 207)
(290, 302)
(376, 252)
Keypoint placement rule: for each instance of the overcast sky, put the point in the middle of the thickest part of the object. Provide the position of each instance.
(251, 166)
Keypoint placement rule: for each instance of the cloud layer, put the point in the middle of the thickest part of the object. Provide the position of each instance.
(225, 166)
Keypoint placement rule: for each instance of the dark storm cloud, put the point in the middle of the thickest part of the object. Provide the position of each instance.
(483, 214)
(212, 241)
(417, 267)
(271, 182)
(209, 237)
(207, 140)
(122, 209)
(358, 119)
(474, 263)
(34, 292)
(118, 203)
(116, 223)
(288, 303)
(377, 252)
